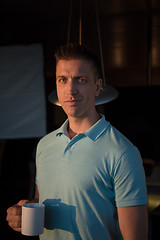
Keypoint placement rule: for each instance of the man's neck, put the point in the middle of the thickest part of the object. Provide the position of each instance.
(78, 125)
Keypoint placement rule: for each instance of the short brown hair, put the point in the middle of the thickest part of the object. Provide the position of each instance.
(75, 51)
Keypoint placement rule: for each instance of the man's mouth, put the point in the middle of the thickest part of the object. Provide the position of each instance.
(72, 102)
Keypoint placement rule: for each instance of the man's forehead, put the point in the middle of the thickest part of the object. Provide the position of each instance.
(73, 64)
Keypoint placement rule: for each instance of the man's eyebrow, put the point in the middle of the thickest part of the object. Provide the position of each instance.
(79, 76)
(60, 76)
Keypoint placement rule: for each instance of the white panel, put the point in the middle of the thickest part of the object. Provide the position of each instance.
(22, 92)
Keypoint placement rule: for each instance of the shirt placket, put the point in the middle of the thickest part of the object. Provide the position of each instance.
(70, 146)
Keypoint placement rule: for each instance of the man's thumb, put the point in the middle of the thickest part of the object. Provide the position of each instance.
(22, 202)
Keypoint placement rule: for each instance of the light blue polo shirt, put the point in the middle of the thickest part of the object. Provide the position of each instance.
(82, 181)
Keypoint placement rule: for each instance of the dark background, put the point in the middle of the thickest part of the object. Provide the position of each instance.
(130, 32)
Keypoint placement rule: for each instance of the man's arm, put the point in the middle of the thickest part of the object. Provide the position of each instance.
(133, 222)
(14, 213)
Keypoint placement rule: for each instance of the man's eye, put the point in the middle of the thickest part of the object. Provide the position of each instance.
(62, 80)
(82, 80)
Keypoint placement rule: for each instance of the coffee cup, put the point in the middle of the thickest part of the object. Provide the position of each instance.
(33, 219)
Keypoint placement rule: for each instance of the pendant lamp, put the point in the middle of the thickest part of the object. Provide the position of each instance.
(107, 93)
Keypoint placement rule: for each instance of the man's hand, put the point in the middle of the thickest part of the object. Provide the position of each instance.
(14, 214)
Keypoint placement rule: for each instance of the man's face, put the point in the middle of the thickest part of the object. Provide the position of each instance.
(76, 87)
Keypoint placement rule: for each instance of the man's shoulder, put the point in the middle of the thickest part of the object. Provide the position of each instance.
(117, 141)
(48, 138)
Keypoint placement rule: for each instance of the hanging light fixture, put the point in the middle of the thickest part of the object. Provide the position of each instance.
(107, 93)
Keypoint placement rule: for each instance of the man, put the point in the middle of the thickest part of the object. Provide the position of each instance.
(89, 176)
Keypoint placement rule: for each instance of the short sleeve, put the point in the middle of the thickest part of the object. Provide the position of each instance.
(129, 179)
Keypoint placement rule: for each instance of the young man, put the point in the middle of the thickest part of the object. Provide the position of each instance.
(89, 176)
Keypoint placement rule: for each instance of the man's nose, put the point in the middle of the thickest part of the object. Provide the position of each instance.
(72, 87)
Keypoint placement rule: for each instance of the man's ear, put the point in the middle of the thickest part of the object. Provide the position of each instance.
(99, 84)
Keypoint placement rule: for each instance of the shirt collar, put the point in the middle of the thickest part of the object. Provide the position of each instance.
(62, 129)
(93, 133)
(97, 129)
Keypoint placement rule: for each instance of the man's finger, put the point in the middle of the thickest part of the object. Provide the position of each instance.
(22, 202)
(14, 210)
(17, 229)
(13, 218)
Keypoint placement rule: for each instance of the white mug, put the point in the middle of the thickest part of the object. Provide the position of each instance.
(32, 219)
